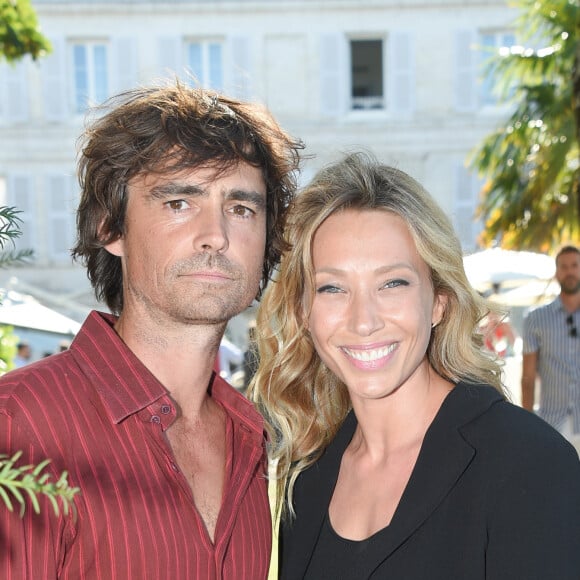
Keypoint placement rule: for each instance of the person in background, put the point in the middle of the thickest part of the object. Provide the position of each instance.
(398, 455)
(251, 356)
(184, 194)
(23, 354)
(551, 351)
(230, 358)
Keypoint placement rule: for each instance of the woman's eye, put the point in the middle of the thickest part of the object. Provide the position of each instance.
(395, 283)
(328, 289)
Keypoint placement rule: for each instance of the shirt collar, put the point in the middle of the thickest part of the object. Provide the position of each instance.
(126, 386)
(121, 380)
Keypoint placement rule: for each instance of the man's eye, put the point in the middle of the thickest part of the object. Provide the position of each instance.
(242, 211)
(177, 204)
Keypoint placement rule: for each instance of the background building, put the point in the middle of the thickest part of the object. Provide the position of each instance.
(402, 78)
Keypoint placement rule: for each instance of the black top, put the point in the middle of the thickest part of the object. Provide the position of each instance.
(494, 495)
(334, 555)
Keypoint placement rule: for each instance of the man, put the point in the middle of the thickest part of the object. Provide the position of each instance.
(23, 354)
(551, 350)
(183, 200)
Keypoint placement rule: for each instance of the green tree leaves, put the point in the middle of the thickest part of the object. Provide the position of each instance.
(19, 31)
(531, 165)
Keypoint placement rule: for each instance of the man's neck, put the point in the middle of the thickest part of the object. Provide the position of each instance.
(182, 358)
(571, 302)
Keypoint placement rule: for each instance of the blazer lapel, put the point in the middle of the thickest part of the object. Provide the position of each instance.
(444, 457)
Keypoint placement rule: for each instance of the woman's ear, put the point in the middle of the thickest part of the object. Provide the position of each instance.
(439, 306)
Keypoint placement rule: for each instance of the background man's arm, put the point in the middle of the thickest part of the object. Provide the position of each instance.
(529, 369)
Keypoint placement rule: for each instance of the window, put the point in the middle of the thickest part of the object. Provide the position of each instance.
(61, 205)
(367, 85)
(205, 61)
(90, 74)
(490, 44)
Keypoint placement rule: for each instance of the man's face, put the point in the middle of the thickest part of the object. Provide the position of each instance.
(568, 272)
(194, 244)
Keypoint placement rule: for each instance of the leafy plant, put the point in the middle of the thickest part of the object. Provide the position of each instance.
(531, 163)
(21, 482)
(27, 482)
(19, 31)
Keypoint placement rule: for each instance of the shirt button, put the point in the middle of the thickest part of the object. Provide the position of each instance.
(155, 419)
(165, 409)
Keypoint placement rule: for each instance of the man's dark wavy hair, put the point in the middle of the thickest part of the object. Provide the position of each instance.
(164, 129)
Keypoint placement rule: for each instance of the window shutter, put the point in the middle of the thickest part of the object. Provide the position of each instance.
(333, 71)
(20, 195)
(55, 83)
(401, 75)
(241, 73)
(124, 69)
(170, 63)
(61, 205)
(14, 92)
(465, 204)
(465, 71)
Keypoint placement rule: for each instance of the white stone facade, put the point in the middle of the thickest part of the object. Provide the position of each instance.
(425, 113)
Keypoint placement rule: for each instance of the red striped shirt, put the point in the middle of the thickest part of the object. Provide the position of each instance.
(96, 411)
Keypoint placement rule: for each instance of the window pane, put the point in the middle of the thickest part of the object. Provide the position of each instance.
(367, 74)
(194, 61)
(100, 74)
(80, 77)
(215, 67)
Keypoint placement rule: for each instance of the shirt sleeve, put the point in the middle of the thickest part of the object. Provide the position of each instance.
(33, 545)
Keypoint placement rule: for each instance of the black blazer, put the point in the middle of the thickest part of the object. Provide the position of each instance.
(494, 495)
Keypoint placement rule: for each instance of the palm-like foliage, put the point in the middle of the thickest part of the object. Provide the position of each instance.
(9, 232)
(531, 194)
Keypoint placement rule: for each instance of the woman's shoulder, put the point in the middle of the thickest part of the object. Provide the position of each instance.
(508, 433)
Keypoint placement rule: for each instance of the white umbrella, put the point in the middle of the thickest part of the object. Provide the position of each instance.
(25, 312)
(496, 270)
(532, 293)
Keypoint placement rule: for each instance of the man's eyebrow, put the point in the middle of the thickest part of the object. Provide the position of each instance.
(254, 197)
(175, 189)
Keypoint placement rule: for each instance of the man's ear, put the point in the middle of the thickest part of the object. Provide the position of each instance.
(116, 247)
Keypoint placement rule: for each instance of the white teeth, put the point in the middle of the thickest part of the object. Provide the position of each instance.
(370, 355)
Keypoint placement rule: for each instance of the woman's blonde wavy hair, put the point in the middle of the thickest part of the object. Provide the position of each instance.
(304, 404)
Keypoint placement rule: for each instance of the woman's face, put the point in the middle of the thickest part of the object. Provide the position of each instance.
(373, 303)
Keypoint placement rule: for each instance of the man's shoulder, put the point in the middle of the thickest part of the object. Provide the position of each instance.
(35, 383)
(538, 312)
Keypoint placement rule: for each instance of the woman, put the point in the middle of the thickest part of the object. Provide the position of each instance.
(396, 449)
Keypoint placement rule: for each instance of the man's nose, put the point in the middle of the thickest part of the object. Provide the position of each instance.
(210, 233)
